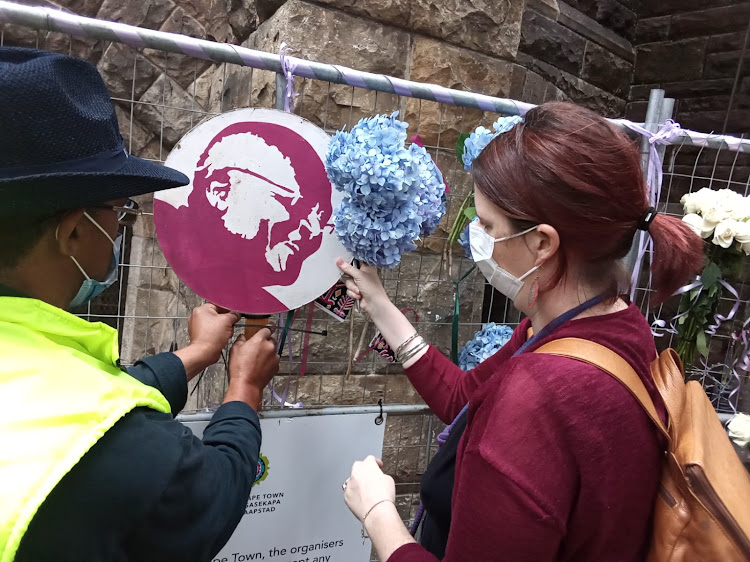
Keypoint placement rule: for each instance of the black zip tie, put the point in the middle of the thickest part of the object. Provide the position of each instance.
(380, 419)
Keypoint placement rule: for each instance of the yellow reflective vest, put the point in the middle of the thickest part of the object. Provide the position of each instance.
(61, 390)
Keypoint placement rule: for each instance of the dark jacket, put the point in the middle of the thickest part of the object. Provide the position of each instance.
(149, 490)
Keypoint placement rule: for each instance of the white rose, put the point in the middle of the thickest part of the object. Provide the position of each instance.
(698, 225)
(739, 429)
(741, 209)
(742, 236)
(724, 233)
(728, 199)
(690, 203)
(714, 213)
(742, 232)
(702, 199)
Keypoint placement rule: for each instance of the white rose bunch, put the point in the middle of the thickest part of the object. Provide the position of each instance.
(722, 215)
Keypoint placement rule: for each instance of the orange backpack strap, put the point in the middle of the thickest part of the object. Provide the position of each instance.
(609, 362)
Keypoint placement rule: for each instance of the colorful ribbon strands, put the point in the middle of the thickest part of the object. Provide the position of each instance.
(732, 373)
(287, 68)
(666, 135)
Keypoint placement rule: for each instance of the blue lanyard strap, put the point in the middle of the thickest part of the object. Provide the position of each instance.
(559, 321)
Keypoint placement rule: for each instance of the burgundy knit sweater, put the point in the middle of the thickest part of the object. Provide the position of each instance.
(558, 461)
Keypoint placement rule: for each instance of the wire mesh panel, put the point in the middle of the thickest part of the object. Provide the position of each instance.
(688, 169)
(160, 95)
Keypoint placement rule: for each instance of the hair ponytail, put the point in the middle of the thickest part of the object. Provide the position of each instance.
(678, 255)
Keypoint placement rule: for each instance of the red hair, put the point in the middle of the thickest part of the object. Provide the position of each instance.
(570, 168)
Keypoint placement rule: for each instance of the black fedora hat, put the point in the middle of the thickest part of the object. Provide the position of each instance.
(60, 144)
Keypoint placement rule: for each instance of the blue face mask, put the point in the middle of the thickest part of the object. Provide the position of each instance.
(91, 288)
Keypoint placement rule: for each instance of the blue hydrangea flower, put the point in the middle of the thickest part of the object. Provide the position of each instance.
(392, 194)
(481, 137)
(505, 124)
(486, 342)
(432, 194)
(463, 241)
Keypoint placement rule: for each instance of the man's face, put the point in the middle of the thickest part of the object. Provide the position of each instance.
(97, 256)
(249, 199)
(256, 216)
(257, 203)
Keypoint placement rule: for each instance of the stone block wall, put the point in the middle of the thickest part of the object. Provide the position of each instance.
(583, 48)
(692, 50)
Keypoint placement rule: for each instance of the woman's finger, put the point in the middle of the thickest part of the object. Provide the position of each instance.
(354, 295)
(347, 268)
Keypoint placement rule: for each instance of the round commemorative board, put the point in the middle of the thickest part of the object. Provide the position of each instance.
(253, 230)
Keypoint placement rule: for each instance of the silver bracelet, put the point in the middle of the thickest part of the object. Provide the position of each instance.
(406, 342)
(364, 533)
(413, 351)
(403, 352)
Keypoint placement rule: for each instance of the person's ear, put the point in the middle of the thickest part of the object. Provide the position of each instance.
(68, 232)
(545, 243)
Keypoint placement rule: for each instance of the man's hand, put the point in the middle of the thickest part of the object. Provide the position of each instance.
(252, 364)
(210, 329)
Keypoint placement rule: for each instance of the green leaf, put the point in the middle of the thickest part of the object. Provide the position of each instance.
(470, 213)
(460, 146)
(711, 275)
(701, 344)
(682, 319)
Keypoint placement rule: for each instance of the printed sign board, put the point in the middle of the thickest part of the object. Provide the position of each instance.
(296, 510)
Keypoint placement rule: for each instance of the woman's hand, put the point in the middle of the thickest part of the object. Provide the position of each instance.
(371, 496)
(367, 486)
(363, 284)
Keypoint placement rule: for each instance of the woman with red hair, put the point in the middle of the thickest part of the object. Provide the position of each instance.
(547, 458)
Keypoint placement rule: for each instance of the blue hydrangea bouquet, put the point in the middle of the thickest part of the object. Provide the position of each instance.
(485, 343)
(393, 195)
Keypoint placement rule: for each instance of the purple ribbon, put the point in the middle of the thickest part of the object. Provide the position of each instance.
(654, 178)
(287, 67)
(742, 362)
(659, 328)
(718, 318)
(671, 328)
(281, 399)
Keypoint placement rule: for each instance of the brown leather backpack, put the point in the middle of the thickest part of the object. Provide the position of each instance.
(702, 512)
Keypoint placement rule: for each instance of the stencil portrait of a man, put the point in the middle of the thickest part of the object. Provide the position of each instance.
(259, 207)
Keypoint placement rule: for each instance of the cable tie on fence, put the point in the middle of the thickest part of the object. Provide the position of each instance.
(287, 68)
(380, 419)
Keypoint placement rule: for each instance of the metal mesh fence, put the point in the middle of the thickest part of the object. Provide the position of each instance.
(161, 95)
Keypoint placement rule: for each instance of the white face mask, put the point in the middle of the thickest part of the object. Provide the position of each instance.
(482, 246)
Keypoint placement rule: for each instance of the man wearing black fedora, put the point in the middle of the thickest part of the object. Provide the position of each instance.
(93, 466)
